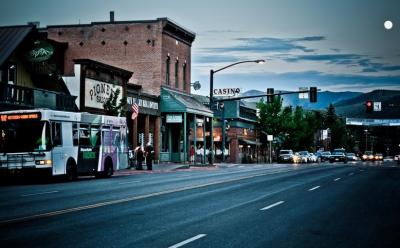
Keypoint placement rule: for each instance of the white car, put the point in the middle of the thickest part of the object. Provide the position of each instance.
(397, 158)
(301, 157)
(312, 158)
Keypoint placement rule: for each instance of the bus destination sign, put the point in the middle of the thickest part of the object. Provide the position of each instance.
(17, 117)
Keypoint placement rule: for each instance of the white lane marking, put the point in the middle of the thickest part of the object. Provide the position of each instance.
(337, 179)
(184, 176)
(350, 174)
(272, 205)
(41, 193)
(316, 187)
(188, 241)
(137, 181)
(361, 170)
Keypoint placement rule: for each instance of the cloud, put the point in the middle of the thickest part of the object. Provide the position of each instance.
(294, 80)
(215, 31)
(329, 58)
(344, 59)
(376, 67)
(310, 38)
(268, 44)
(209, 59)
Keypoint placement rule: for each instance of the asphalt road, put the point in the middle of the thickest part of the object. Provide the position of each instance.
(328, 205)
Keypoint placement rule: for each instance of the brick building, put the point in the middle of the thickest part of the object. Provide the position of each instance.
(158, 52)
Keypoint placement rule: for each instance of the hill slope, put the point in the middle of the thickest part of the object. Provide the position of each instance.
(355, 107)
(324, 98)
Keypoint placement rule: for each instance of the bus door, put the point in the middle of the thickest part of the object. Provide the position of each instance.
(89, 148)
(58, 152)
(107, 141)
(123, 156)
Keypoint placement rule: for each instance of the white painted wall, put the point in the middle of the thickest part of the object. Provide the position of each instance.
(73, 83)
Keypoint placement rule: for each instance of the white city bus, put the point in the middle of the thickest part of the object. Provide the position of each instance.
(62, 143)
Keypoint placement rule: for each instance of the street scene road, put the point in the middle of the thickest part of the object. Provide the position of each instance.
(264, 205)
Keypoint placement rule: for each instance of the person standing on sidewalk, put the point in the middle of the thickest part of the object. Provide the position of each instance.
(149, 156)
(139, 156)
(192, 153)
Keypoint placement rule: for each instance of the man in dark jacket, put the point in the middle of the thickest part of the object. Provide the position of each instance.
(149, 156)
(139, 156)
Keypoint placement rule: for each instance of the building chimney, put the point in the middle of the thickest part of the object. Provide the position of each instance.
(111, 16)
(36, 24)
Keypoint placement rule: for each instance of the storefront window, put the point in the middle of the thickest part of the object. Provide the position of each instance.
(167, 70)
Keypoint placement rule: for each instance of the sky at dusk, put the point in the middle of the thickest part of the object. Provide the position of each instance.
(339, 45)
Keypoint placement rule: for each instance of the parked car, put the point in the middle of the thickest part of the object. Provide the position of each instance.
(351, 156)
(378, 157)
(368, 156)
(285, 156)
(338, 155)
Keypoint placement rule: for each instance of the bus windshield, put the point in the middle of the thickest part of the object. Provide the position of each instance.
(24, 136)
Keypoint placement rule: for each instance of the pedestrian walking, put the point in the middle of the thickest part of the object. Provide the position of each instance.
(139, 156)
(149, 156)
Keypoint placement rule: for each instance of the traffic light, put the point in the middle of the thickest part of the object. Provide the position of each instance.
(369, 106)
(313, 94)
(270, 95)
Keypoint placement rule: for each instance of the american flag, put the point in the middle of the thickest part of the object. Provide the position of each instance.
(135, 110)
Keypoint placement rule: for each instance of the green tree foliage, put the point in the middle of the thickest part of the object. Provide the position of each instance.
(299, 129)
(112, 107)
(340, 134)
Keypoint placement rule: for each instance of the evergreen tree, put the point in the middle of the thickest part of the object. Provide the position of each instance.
(111, 107)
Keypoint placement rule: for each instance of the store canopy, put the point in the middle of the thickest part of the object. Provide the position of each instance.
(173, 101)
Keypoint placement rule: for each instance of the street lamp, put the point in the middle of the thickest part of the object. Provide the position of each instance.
(212, 72)
(366, 140)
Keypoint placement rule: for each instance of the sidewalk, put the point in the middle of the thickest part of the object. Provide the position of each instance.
(164, 168)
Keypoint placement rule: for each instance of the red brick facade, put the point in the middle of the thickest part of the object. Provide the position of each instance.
(141, 47)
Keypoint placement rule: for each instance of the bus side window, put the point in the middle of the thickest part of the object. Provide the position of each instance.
(95, 136)
(84, 135)
(75, 134)
(56, 133)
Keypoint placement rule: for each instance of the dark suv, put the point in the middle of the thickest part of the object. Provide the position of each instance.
(285, 156)
(338, 155)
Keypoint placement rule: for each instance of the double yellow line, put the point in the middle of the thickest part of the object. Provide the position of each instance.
(133, 198)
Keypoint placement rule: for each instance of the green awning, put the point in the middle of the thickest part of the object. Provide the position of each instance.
(173, 101)
(250, 142)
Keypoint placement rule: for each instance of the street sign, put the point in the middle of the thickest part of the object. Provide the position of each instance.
(377, 106)
(270, 137)
(305, 94)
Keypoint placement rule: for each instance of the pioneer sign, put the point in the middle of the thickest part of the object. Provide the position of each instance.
(97, 93)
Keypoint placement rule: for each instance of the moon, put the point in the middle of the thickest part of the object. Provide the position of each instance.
(388, 24)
